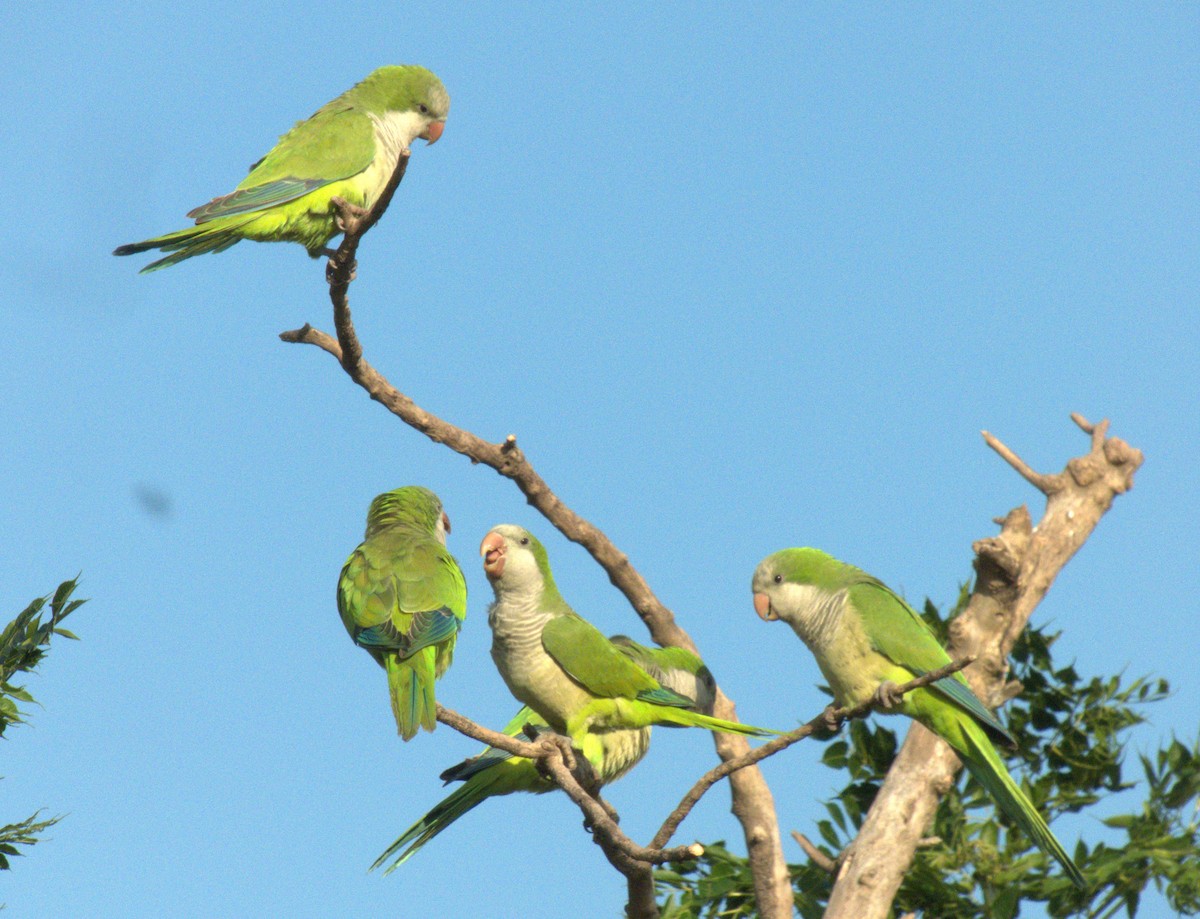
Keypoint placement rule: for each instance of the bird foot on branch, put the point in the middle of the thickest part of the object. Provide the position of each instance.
(348, 216)
(831, 721)
(887, 696)
(550, 740)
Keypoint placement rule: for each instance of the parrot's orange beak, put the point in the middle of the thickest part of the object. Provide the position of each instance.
(434, 131)
(445, 522)
(492, 550)
(762, 606)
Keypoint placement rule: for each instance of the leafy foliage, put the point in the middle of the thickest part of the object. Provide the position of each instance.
(23, 644)
(1072, 744)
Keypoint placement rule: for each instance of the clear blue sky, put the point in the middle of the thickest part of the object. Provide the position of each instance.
(737, 280)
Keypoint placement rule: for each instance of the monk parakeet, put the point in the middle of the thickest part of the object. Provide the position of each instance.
(494, 772)
(348, 148)
(562, 666)
(403, 598)
(866, 641)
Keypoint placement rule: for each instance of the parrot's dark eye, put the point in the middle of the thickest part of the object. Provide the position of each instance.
(524, 540)
(423, 108)
(778, 579)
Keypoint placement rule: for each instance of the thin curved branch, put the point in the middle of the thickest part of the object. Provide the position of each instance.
(753, 804)
(782, 742)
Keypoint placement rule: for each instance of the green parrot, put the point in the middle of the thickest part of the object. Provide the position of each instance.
(348, 148)
(403, 598)
(562, 666)
(494, 772)
(866, 641)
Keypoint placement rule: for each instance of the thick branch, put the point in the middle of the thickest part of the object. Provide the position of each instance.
(1013, 572)
(753, 803)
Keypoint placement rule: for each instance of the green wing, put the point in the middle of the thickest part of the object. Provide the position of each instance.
(334, 144)
(676, 669)
(599, 666)
(896, 631)
(401, 591)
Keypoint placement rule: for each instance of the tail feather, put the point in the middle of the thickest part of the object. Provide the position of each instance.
(183, 244)
(504, 777)
(410, 685)
(988, 769)
(683, 717)
(441, 816)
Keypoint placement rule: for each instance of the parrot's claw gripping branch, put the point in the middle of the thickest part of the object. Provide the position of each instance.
(830, 720)
(887, 695)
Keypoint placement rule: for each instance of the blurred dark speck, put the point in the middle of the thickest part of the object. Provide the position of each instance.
(154, 501)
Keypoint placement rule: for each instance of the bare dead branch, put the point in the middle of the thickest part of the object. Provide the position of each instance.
(1043, 483)
(815, 855)
(1014, 569)
(753, 804)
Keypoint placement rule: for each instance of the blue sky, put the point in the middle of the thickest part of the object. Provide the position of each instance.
(737, 280)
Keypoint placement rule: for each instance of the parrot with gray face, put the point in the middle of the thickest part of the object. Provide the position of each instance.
(867, 641)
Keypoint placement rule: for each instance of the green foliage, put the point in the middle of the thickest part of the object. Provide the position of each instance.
(719, 885)
(24, 833)
(1072, 744)
(23, 644)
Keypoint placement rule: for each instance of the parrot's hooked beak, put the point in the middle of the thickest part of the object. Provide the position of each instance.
(492, 550)
(762, 606)
(433, 132)
(445, 522)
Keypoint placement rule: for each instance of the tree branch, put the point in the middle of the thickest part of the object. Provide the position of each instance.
(1014, 569)
(632, 860)
(753, 803)
(815, 855)
(343, 267)
(782, 742)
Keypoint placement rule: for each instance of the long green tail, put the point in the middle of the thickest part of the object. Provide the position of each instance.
(502, 778)
(682, 717)
(214, 236)
(989, 771)
(410, 685)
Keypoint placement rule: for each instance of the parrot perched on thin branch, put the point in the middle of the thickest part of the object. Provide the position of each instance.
(495, 772)
(349, 149)
(403, 598)
(561, 666)
(867, 641)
